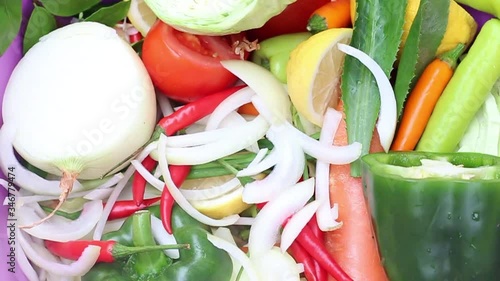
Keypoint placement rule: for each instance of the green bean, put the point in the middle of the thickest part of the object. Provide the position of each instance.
(465, 93)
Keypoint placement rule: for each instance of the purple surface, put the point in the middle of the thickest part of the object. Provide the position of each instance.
(7, 63)
(480, 17)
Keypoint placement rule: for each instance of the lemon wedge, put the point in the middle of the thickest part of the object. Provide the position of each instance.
(314, 71)
(215, 198)
(141, 16)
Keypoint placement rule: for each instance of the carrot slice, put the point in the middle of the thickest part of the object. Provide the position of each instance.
(353, 245)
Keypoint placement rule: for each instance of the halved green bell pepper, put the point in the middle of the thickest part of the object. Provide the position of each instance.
(435, 221)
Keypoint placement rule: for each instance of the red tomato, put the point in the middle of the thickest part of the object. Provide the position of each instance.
(292, 19)
(186, 67)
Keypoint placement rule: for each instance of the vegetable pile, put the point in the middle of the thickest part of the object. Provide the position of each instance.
(252, 140)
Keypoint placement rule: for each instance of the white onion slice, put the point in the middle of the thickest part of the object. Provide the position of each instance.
(257, 167)
(213, 192)
(101, 224)
(99, 194)
(200, 138)
(25, 178)
(296, 223)
(273, 265)
(249, 269)
(387, 118)
(265, 230)
(162, 237)
(287, 171)
(265, 85)
(225, 233)
(229, 105)
(40, 256)
(180, 199)
(324, 216)
(58, 228)
(245, 221)
(25, 265)
(164, 104)
(327, 153)
(151, 179)
(236, 140)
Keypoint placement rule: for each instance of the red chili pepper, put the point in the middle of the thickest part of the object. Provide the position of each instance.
(316, 248)
(302, 256)
(139, 183)
(110, 250)
(125, 208)
(321, 273)
(179, 174)
(136, 37)
(180, 119)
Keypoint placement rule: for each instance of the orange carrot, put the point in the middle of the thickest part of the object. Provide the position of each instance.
(336, 13)
(423, 98)
(248, 109)
(353, 245)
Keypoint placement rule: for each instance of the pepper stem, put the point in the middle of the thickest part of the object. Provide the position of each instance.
(451, 57)
(120, 251)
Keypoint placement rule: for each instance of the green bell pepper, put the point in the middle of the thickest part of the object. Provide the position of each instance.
(202, 261)
(436, 216)
(274, 53)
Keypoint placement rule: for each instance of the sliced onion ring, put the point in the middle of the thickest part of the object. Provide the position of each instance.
(58, 228)
(230, 104)
(180, 199)
(296, 223)
(265, 85)
(237, 254)
(265, 229)
(326, 221)
(40, 256)
(387, 119)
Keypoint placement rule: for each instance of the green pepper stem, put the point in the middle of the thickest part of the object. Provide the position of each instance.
(120, 250)
(451, 57)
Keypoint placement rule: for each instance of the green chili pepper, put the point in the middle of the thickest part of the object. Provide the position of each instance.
(147, 265)
(203, 261)
(274, 53)
(465, 93)
(435, 222)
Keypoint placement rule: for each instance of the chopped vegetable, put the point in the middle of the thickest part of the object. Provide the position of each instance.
(423, 98)
(465, 93)
(216, 17)
(435, 214)
(334, 14)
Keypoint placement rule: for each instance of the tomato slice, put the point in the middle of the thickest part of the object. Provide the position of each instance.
(186, 67)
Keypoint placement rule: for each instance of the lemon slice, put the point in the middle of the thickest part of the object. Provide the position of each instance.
(214, 201)
(313, 73)
(141, 16)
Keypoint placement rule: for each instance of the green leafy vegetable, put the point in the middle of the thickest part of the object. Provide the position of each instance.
(68, 8)
(41, 23)
(483, 133)
(423, 40)
(10, 21)
(110, 15)
(216, 17)
(377, 32)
